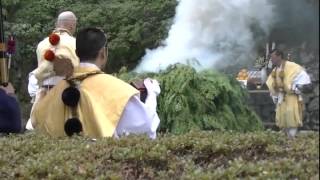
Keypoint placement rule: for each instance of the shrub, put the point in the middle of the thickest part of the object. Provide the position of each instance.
(194, 155)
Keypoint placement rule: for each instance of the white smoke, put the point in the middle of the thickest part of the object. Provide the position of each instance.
(211, 32)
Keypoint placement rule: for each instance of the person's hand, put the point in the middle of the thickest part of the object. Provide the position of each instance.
(9, 89)
(152, 85)
(275, 99)
(297, 91)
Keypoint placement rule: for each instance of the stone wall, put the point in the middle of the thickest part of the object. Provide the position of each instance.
(311, 100)
(262, 104)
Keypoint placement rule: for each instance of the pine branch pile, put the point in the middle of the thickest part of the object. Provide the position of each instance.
(205, 100)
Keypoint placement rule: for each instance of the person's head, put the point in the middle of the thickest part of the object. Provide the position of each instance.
(91, 46)
(276, 57)
(67, 20)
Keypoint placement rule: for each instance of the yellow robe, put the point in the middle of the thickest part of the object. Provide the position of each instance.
(102, 101)
(289, 112)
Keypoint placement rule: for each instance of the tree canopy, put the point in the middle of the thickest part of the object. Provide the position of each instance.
(131, 26)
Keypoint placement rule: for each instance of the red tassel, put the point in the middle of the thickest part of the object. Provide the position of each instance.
(54, 39)
(49, 55)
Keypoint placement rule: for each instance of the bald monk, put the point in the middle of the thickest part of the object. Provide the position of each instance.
(50, 72)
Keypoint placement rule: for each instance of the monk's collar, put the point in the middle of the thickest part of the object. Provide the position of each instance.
(83, 71)
(62, 30)
(88, 64)
(85, 67)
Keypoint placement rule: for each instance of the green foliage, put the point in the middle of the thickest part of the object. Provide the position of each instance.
(190, 100)
(195, 155)
(131, 26)
(205, 100)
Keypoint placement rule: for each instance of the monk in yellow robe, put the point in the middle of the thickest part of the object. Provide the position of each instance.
(286, 83)
(93, 103)
(49, 72)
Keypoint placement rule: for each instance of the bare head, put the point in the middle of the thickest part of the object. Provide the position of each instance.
(67, 20)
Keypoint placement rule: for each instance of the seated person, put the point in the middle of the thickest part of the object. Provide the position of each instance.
(93, 103)
(10, 117)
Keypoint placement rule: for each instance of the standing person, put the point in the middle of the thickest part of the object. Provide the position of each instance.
(52, 69)
(286, 83)
(10, 115)
(94, 103)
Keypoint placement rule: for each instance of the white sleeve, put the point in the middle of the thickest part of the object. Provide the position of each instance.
(301, 79)
(32, 85)
(138, 118)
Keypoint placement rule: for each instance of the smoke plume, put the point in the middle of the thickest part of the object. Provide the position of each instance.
(224, 33)
(208, 33)
(296, 21)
